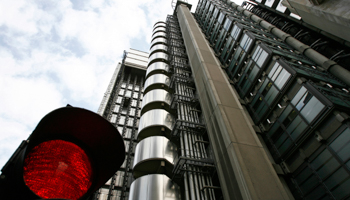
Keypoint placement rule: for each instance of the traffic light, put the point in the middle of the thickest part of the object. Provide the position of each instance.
(69, 155)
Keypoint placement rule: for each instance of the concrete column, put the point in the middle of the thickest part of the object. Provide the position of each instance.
(244, 169)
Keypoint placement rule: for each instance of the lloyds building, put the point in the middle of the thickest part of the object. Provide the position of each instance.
(232, 102)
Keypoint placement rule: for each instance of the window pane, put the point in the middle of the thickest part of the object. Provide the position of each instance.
(297, 97)
(307, 96)
(316, 193)
(275, 71)
(342, 190)
(321, 159)
(296, 127)
(282, 79)
(341, 140)
(338, 177)
(312, 109)
(122, 120)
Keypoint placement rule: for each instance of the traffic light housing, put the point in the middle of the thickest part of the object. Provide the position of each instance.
(69, 155)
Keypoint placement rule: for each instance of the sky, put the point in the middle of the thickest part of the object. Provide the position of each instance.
(54, 53)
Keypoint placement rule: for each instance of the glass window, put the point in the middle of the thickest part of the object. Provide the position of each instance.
(132, 112)
(137, 88)
(260, 56)
(130, 87)
(227, 23)
(120, 129)
(134, 103)
(269, 3)
(246, 42)
(135, 95)
(341, 145)
(119, 99)
(123, 85)
(121, 120)
(113, 118)
(128, 93)
(235, 32)
(116, 108)
(282, 78)
(296, 127)
(312, 109)
(128, 132)
(130, 122)
(297, 97)
(221, 17)
(121, 92)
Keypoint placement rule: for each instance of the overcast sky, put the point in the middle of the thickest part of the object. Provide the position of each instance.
(54, 53)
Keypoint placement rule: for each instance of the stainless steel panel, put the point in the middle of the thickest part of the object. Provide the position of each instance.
(156, 80)
(159, 23)
(157, 66)
(159, 34)
(159, 28)
(152, 122)
(154, 99)
(158, 56)
(154, 187)
(158, 47)
(154, 155)
(159, 40)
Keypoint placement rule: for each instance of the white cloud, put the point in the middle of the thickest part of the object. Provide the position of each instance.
(58, 52)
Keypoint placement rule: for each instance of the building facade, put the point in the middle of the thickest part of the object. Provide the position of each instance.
(230, 107)
(121, 106)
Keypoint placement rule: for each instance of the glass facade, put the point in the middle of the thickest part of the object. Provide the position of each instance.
(301, 111)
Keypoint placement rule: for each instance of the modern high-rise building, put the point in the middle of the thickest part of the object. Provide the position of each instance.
(228, 105)
(121, 106)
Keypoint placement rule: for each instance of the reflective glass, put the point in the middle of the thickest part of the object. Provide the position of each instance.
(296, 127)
(297, 97)
(341, 145)
(312, 109)
(235, 32)
(282, 79)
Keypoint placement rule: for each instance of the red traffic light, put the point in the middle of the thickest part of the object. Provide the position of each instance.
(57, 169)
(70, 154)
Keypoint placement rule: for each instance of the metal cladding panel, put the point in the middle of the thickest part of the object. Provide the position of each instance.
(157, 66)
(158, 47)
(158, 40)
(159, 34)
(159, 28)
(156, 79)
(157, 95)
(156, 118)
(155, 148)
(154, 187)
(159, 23)
(158, 56)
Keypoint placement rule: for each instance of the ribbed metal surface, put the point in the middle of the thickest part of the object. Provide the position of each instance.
(156, 81)
(159, 28)
(158, 40)
(158, 47)
(154, 187)
(155, 122)
(154, 155)
(159, 34)
(157, 67)
(158, 56)
(157, 98)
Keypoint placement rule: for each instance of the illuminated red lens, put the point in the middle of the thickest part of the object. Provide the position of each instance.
(57, 169)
